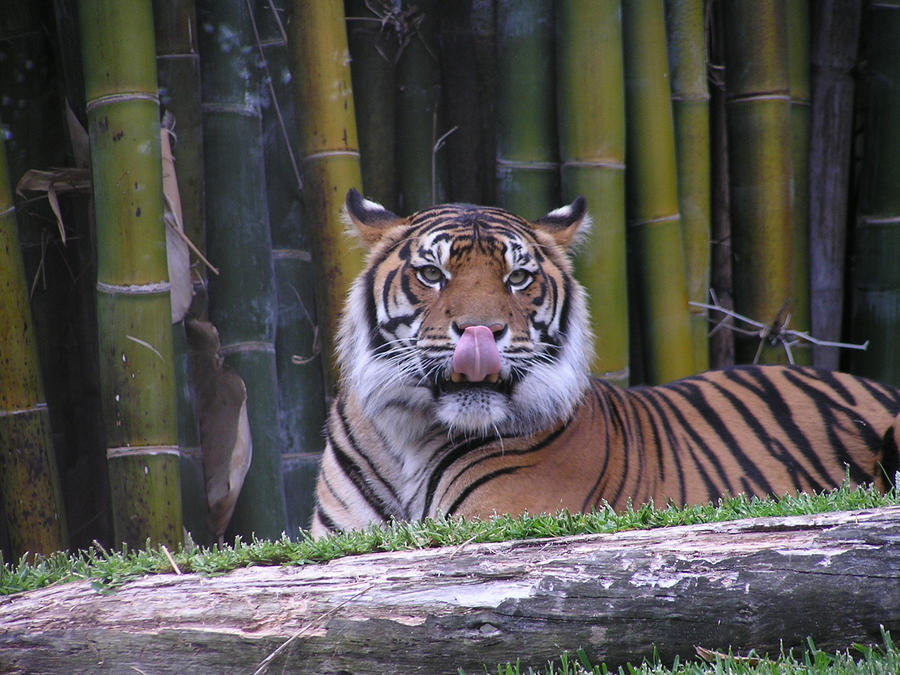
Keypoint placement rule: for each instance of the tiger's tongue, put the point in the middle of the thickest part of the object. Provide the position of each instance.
(476, 355)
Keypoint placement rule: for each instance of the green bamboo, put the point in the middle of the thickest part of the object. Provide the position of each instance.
(242, 298)
(483, 27)
(301, 395)
(798, 46)
(178, 66)
(422, 172)
(591, 125)
(374, 49)
(466, 74)
(758, 109)
(329, 153)
(527, 155)
(686, 30)
(62, 296)
(656, 249)
(178, 72)
(876, 275)
(133, 312)
(29, 481)
(835, 40)
(721, 342)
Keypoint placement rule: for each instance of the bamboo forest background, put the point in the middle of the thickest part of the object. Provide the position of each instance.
(732, 152)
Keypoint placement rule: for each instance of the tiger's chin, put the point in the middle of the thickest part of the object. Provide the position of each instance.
(474, 410)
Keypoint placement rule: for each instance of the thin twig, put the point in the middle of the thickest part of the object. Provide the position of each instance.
(438, 144)
(171, 560)
(775, 332)
(265, 65)
(264, 664)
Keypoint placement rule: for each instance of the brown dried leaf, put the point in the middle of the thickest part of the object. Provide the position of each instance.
(224, 424)
(179, 258)
(53, 182)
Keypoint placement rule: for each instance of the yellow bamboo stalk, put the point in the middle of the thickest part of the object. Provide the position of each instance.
(29, 482)
(685, 27)
(329, 152)
(591, 125)
(758, 109)
(656, 248)
(133, 309)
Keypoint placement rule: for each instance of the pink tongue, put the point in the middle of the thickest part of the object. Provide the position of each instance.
(476, 354)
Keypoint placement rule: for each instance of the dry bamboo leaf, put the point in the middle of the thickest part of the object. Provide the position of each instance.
(78, 136)
(224, 424)
(179, 258)
(53, 182)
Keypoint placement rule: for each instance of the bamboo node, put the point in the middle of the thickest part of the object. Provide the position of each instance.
(588, 163)
(247, 346)
(671, 218)
(291, 254)
(246, 110)
(535, 165)
(330, 153)
(37, 407)
(155, 288)
(143, 450)
(121, 97)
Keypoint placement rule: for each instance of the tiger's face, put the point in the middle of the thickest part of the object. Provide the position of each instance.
(467, 318)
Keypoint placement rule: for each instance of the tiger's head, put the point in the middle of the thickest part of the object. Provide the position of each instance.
(467, 317)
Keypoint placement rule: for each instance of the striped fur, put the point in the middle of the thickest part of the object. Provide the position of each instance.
(405, 442)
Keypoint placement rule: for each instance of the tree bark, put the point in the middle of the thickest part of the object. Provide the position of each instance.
(746, 584)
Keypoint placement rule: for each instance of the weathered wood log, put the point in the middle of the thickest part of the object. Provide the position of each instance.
(745, 584)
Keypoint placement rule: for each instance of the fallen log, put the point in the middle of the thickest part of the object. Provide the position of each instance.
(756, 583)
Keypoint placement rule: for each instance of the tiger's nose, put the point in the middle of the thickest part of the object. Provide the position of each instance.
(498, 329)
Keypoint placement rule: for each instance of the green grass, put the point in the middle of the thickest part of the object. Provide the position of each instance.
(858, 660)
(108, 569)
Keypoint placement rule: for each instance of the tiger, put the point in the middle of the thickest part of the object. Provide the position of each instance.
(464, 351)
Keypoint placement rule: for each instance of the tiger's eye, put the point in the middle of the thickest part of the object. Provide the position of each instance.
(431, 274)
(519, 278)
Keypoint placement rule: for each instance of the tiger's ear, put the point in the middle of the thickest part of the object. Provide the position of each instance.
(568, 225)
(369, 218)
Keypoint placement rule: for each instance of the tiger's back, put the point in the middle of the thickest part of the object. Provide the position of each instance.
(464, 350)
(757, 430)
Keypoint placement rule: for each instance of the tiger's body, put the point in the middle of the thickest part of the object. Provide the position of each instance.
(465, 390)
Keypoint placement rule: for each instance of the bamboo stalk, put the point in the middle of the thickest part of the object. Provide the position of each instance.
(329, 155)
(178, 66)
(29, 481)
(656, 248)
(60, 278)
(178, 72)
(527, 166)
(759, 163)
(686, 30)
(421, 170)
(835, 36)
(242, 298)
(374, 48)
(721, 342)
(301, 395)
(875, 276)
(591, 126)
(466, 75)
(798, 50)
(137, 372)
